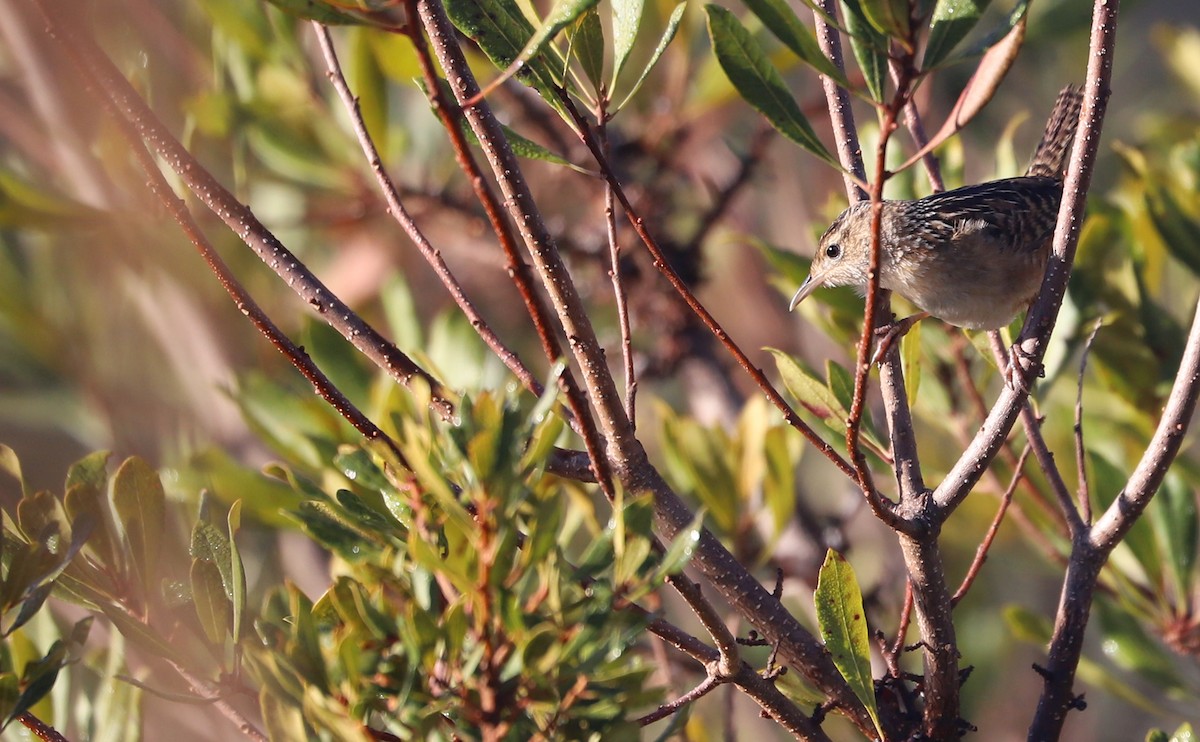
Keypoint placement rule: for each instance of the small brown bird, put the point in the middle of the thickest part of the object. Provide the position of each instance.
(973, 257)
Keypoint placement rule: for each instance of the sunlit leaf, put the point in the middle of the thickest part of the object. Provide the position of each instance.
(843, 624)
(663, 42)
(626, 17)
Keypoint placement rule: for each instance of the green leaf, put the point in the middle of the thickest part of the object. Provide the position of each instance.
(910, 361)
(869, 47)
(563, 14)
(663, 43)
(626, 17)
(37, 678)
(1173, 515)
(282, 719)
(237, 571)
(587, 45)
(212, 605)
(139, 501)
(781, 20)
(758, 82)
(1128, 645)
(325, 13)
(1180, 232)
(11, 464)
(502, 31)
(810, 391)
(679, 553)
(889, 17)
(843, 624)
(952, 21)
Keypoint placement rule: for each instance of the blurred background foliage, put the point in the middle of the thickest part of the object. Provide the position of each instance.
(242, 538)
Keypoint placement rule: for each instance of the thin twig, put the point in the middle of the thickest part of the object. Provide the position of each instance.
(710, 682)
(1041, 451)
(901, 631)
(982, 551)
(1082, 496)
(396, 209)
(618, 282)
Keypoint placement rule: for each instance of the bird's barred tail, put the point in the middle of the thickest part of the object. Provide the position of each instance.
(1050, 157)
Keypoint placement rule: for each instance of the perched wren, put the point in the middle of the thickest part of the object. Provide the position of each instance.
(973, 257)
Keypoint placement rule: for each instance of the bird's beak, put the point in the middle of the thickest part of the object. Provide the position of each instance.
(805, 289)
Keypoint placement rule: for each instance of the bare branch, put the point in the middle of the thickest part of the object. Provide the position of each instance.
(1082, 496)
(984, 546)
(391, 196)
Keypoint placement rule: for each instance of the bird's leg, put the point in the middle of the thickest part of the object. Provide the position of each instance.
(1019, 370)
(890, 333)
(1022, 370)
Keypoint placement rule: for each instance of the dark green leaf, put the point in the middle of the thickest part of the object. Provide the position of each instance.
(952, 20)
(38, 678)
(1180, 232)
(870, 49)
(1128, 645)
(502, 31)
(757, 80)
(843, 624)
(781, 20)
(587, 45)
(139, 501)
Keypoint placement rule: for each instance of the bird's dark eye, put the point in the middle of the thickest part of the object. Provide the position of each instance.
(834, 251)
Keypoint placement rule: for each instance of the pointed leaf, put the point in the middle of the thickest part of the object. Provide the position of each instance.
(626, 17)
(501, 30)
(237, 572)
(869, 47)
(758, 82)
(781, 20)
(587, 45)
(663, 43)
(810, 391)
(843, 624)
(952, 20)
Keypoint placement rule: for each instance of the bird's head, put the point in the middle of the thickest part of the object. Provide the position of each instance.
(843, 255)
